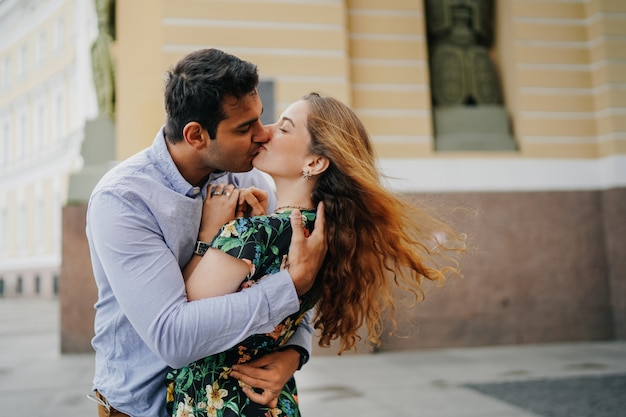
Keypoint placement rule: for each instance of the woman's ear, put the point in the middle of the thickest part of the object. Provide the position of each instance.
(195, 135)
(317, 165)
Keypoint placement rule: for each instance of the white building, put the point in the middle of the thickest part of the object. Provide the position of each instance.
(46, 96)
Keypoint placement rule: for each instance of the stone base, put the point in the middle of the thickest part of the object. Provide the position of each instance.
(530, 276)
(98, 152)
(481, 128)
(77, 287)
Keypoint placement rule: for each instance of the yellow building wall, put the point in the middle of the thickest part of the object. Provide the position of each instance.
(568, 100)
(389, 75)
(607, 36)
(28, 105)
(561, 65)
(300, 46)
(139, 74)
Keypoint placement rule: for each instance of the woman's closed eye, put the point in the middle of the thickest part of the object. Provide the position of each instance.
(285, 124)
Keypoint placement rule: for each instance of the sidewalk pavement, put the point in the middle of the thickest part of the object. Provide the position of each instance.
(553, 380)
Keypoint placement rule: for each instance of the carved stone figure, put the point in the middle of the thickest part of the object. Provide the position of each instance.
(460, 34)
(98, 146)
(101, 57)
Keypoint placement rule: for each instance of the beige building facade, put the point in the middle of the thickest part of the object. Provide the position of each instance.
(561, 66)
(46, 95)
(547, 261)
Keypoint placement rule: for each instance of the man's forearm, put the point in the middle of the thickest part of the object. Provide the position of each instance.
(209, 326)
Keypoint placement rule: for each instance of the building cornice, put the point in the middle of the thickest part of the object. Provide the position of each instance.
(503, 174)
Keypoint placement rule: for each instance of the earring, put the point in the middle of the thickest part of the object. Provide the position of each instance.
(306, 174)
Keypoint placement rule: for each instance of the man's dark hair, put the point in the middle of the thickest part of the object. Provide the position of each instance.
(196, 87)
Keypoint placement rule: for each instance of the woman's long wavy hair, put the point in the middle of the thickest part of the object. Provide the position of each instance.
(376, 240)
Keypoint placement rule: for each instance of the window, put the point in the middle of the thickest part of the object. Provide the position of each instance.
(40, 133)
(57, 121)
(266, 93)
(22, 137)
(59, 34)
(41, 49)
(6, 72)
(4, 232)
(5, 144)
(23, 62)
(57, 216)
(40, 223)
(22, 228)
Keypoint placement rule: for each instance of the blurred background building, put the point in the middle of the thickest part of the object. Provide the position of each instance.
(515, 109)
(46, 96)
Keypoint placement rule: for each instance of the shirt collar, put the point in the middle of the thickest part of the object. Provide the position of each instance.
(165, 164)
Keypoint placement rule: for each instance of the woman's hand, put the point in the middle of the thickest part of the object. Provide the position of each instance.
(252, 202)
(306, 254)
(218, 209)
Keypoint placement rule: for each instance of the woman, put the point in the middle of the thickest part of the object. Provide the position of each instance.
(318, 151)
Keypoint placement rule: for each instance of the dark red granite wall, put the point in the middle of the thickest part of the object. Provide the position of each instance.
(544, 267)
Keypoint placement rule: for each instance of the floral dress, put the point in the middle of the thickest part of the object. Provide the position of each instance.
(203, 388)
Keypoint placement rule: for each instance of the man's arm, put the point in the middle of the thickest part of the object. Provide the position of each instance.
(146, 280)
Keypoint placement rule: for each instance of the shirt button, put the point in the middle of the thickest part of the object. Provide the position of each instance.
(195, 191)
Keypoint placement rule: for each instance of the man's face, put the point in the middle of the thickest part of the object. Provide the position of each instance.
(238, 137)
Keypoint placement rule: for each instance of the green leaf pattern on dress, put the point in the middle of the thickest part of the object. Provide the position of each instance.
(205, 388)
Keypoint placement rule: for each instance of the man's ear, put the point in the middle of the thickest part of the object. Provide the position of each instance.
(317, 164)
(195, 135)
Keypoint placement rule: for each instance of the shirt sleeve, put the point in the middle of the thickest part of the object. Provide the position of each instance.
(146, 281)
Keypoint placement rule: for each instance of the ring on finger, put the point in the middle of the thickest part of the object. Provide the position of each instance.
(216, 193)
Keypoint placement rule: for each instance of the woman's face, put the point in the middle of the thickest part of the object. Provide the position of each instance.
(285, 154)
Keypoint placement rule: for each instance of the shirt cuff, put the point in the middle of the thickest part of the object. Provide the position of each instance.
(304, 355)
(280, 294)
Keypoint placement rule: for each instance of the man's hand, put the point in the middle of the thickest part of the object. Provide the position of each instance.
(269, 373)
(252, 202)
(306, 255)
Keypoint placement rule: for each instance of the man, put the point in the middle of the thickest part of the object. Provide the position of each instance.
(142, 226)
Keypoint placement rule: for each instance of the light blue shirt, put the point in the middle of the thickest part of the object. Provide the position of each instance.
(142, 223)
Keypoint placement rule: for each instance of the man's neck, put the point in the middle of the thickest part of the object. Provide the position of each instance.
(187, 164)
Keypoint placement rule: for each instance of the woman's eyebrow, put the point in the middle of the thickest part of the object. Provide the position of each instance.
(289, 120)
